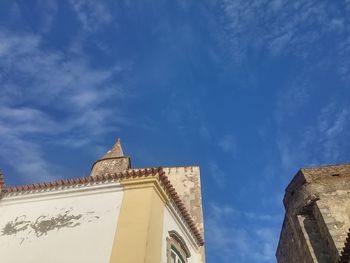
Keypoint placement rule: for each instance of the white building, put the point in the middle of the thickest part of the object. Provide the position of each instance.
(115, 215)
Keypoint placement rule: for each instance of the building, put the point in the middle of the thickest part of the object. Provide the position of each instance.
(317, 219)
(116, 215)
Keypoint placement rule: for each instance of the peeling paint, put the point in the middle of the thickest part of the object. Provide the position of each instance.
(46, 223)
(70, 225)
(15, 226)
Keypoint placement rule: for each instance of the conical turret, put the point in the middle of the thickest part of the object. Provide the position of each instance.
(115, 152)
(114, 161)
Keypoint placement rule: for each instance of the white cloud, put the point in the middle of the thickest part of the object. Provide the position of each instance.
(228, 144)
(331, 129)
(51, 93)
(217, 174)
(288, 155)
(229, 241)
(49, 10)
(322, 141)
(92, 14)
(280, 27)
(276, 5)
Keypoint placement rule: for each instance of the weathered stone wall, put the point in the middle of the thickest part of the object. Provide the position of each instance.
(186, 181)
(291, 247)
(113, 165)
(319, 198)
(334, 212)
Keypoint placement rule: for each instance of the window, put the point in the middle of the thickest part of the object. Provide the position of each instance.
(176, 256)
(177, 250)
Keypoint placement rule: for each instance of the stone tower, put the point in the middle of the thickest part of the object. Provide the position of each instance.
(317, 219)
(114, 161)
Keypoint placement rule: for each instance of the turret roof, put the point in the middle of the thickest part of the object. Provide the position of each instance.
(115, 152)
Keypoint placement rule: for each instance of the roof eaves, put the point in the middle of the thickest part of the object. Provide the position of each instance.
(115, 176)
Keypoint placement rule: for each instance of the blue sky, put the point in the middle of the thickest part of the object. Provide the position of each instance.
(249, 90)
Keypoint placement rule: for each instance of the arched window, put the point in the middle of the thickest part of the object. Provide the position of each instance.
(176, 256)
(177, 250)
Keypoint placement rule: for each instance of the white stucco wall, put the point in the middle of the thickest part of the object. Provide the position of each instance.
(64, 226)
(171, 222)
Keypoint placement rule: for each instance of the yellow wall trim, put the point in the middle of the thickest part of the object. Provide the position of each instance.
(144, 183)
(138, 237)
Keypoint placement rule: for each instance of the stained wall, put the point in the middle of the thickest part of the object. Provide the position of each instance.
(72, 225)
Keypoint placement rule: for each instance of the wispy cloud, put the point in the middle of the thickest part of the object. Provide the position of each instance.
(50, 9)
(320, 142)
(44, 19)
(282, 27)
(326, 136)
(26, 157)
(92, 14)
(217, 174)
(228, 144)
(252, 242)
(52, 93)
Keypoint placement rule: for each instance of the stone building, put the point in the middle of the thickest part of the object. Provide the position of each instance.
(118, 214)
(317, 219)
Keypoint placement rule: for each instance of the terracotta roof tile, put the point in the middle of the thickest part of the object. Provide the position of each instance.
(131, 173)
(2, 180)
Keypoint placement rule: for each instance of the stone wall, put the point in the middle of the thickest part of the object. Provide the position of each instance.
(110, 166)
(317, 203)
(291, 247)
(186, 180)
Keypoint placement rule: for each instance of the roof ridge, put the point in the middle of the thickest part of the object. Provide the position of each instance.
(168, 187)
(80, 180)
